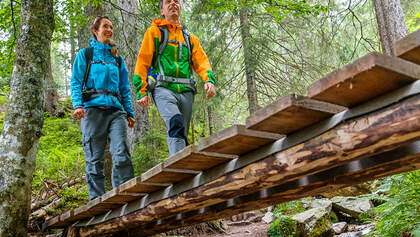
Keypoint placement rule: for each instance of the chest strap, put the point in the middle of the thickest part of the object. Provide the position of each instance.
(91, 94)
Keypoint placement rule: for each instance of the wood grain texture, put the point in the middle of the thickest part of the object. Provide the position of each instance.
(380, 131)
(236, 140)
(190, 158)
(408, 48)
(291, 113)
(364, 79)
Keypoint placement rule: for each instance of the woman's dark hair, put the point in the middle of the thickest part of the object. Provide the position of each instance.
(96, 23)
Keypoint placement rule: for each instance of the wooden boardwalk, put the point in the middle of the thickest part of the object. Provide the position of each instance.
(358, 123)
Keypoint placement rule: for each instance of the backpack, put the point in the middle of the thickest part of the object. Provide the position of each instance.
(164, 32)
(91, 93)
(155, 82)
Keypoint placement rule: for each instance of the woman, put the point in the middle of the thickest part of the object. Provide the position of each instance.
(100, 93)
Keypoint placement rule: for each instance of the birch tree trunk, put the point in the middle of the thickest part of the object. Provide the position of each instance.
(128, 38)
(24, 115)
(250, 62)
(391, 23)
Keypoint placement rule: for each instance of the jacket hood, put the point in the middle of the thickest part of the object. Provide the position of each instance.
(163, 22)
(95, 44)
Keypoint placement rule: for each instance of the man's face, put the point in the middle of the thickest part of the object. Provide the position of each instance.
(170, 9)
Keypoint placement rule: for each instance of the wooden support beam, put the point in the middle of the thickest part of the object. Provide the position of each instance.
(291, 113)
(400, 160)
(364, 79)
(408, 47)
(158, 174)
(190, 158)
(380, 131)
(236, 140)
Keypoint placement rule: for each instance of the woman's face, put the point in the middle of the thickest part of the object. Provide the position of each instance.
(104, 33)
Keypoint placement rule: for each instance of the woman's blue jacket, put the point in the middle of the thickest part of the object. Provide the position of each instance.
(102, 76)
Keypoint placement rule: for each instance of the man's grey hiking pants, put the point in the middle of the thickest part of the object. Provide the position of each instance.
(175, 110)
(99, 126)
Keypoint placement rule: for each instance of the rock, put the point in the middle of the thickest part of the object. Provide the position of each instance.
(314, 222)
(268, 217)
(368, 230)
(339, 227)
(323, 203)
(350, 234)
(352, 206)
(349, 191)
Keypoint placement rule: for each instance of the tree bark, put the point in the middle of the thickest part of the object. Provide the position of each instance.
(249, 61)
(129, 40)
(52, 96)
(210, 117)
(24, 115)
(391, 23)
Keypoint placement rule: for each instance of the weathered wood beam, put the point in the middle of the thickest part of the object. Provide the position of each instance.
(369, 76)
(236, 140)
(408, 47)
(380, 131)
(400, 160)
(291, 113)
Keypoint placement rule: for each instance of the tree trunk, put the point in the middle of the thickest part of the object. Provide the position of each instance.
(24, 115)
(210, 117)
(83, 32)
(51, 97)
(391, 23)
(250, 62)
(129, 41)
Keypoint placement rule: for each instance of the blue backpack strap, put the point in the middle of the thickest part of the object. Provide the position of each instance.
(88, 58)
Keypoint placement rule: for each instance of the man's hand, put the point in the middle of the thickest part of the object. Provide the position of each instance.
(130, 121)
(79, 113)
(144, 102)
(210, 89)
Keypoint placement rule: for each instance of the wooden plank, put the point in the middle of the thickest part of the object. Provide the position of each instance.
(291, 113)
(364, 79)
(136, 185)
(383, 130)
(116, 196)
(94, 207)
(158, 174)
(190, 158)
(408, 47)
(236, 140)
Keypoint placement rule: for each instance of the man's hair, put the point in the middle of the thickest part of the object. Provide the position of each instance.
(161, 3)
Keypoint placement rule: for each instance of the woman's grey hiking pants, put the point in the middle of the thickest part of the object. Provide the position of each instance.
(99, 126)
(175, 110)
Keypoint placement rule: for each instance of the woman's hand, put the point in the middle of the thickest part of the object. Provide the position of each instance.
(130, 121)
(79, 113)
(144, 102)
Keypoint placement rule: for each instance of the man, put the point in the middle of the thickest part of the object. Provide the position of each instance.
(170, 53)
